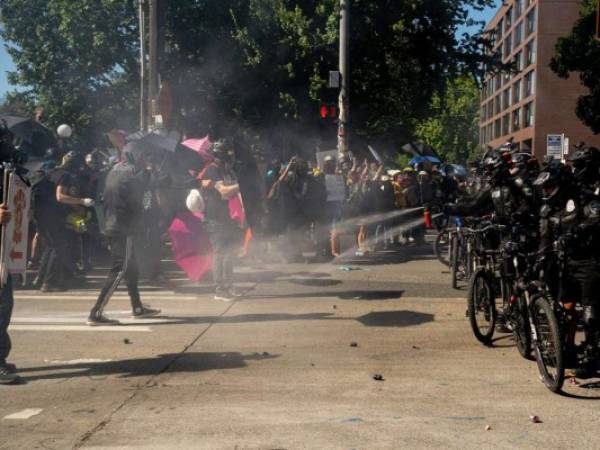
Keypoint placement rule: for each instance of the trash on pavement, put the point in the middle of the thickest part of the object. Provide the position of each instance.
(378, 377)
(535, 419)
(348, 268)
(488, 427)
(126, 341)
(353, 344)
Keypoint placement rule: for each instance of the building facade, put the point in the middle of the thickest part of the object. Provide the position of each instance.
(532, 103)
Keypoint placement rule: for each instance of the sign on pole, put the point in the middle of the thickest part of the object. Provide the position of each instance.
(13, 254)
(555, 145)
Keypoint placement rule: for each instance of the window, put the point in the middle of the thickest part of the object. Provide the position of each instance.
(531, 21)
(484, 90)
(530, 84)
(517, 91)
(518, 9)
(528, 115)
(497, 128)
(508, 18)
(499, 30)
(498, 104)
(518, 34)
(506, 95)
(519, 61)
(498, 82)
(506, 125)
(507, 46)
(530, 50)
(516, 120)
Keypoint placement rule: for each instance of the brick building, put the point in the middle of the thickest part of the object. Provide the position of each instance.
(534, 102)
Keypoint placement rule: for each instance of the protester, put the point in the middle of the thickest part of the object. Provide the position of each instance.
(219, 185)
(7, 371)
(123, 203)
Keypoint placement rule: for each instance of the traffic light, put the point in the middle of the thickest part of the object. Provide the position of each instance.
(324, 111)
(328, 111)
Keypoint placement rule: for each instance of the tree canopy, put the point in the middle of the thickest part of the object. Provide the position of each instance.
(257, 65)
(579, 52)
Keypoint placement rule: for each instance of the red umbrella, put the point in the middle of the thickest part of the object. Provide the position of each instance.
(191, 246)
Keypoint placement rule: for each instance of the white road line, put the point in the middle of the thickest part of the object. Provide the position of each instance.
(115, 328)
(94, 297)
(74, 362)
(82, 319)
(24, 415)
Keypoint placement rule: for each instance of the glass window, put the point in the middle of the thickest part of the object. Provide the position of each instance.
(530, 84)
(499, 29)
(528, 115)
(531, 21)
(517, 91)
(498, 104)
(519, 61)
(516, 120)
(508, 19)
(507, 46)
(518, 34)
(507, 98)
(498, 82)
(518, 9)
(484, 90)
(530, 50)
(497, 128)
(506, 125)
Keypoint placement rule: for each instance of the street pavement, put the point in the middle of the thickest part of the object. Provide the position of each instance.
(291, 366)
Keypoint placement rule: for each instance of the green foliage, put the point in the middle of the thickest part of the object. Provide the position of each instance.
(579, 53)
(453, 128)
(257, 65)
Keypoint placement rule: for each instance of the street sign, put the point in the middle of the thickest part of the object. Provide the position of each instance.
(334, 79)
(555, 145)
(15, 237)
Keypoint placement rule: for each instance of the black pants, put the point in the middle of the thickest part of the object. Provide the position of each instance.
(53, 265)
(123, 264)
(225, 239)
(6, 307)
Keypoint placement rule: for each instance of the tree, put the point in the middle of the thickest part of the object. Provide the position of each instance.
(579, 53)
(453, 129)
(254, 65)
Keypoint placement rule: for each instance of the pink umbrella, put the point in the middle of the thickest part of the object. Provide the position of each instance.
(201, 146)
(191, 246)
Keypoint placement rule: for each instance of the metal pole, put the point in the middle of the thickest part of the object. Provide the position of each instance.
(597, 19)
(153, 60)
(143, 68)
(345, 78)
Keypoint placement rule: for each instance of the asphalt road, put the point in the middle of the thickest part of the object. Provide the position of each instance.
(289, 367)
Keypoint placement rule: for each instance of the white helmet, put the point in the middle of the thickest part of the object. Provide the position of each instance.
(194, 201)
(64, 131)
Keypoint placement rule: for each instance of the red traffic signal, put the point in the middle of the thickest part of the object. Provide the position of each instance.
(326, 111)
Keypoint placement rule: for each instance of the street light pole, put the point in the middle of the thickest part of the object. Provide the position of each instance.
(143, 67)
(344, 103)
(153, 60)
(597, 19)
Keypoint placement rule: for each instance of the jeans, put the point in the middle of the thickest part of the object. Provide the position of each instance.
(225, 239)
(53, 270)
(6, 307)
(123, 265)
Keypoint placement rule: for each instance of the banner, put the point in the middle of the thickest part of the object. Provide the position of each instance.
(15, 237)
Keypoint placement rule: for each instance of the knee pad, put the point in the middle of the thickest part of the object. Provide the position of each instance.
(591, 317)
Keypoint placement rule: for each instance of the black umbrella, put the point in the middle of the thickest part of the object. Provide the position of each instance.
(420, 149)
(36, 137)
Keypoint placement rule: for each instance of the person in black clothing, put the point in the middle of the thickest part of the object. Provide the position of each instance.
(123, 203)
(7, 371)
(219, 184)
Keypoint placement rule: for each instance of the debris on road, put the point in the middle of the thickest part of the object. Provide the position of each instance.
(126, 341)
(378, 377)
(353, 344)
(573, 381)
(334, 306)
(535, 419)
(416, 348)
(348, 268)
(488, 427)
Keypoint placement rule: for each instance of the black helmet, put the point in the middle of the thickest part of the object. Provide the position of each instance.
(554, 179)
(221, 150)
(586, 163)
(496, 164)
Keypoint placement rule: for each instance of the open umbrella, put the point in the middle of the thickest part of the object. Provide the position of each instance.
(37, 137)
(420, 149)
(191, 245)
(420, 159)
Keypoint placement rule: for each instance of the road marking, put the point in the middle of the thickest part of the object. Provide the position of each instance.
(82, 319)
(25, 414)
(114, 297)
(74, 362)
(116, 328)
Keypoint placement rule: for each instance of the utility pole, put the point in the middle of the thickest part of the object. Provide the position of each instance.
(344, 103)
(597, 19)
(153, 60)
(143, 67)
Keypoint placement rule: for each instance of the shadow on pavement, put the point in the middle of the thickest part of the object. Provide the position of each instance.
(343, 295)
(395, 318)
(172, 363)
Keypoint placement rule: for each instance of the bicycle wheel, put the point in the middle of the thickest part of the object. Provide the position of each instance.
(482, 307)
(548, 345)
(440, 247)
(521, 329)
(454, 260)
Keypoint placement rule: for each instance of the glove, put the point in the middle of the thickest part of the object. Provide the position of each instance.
(88, 202)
